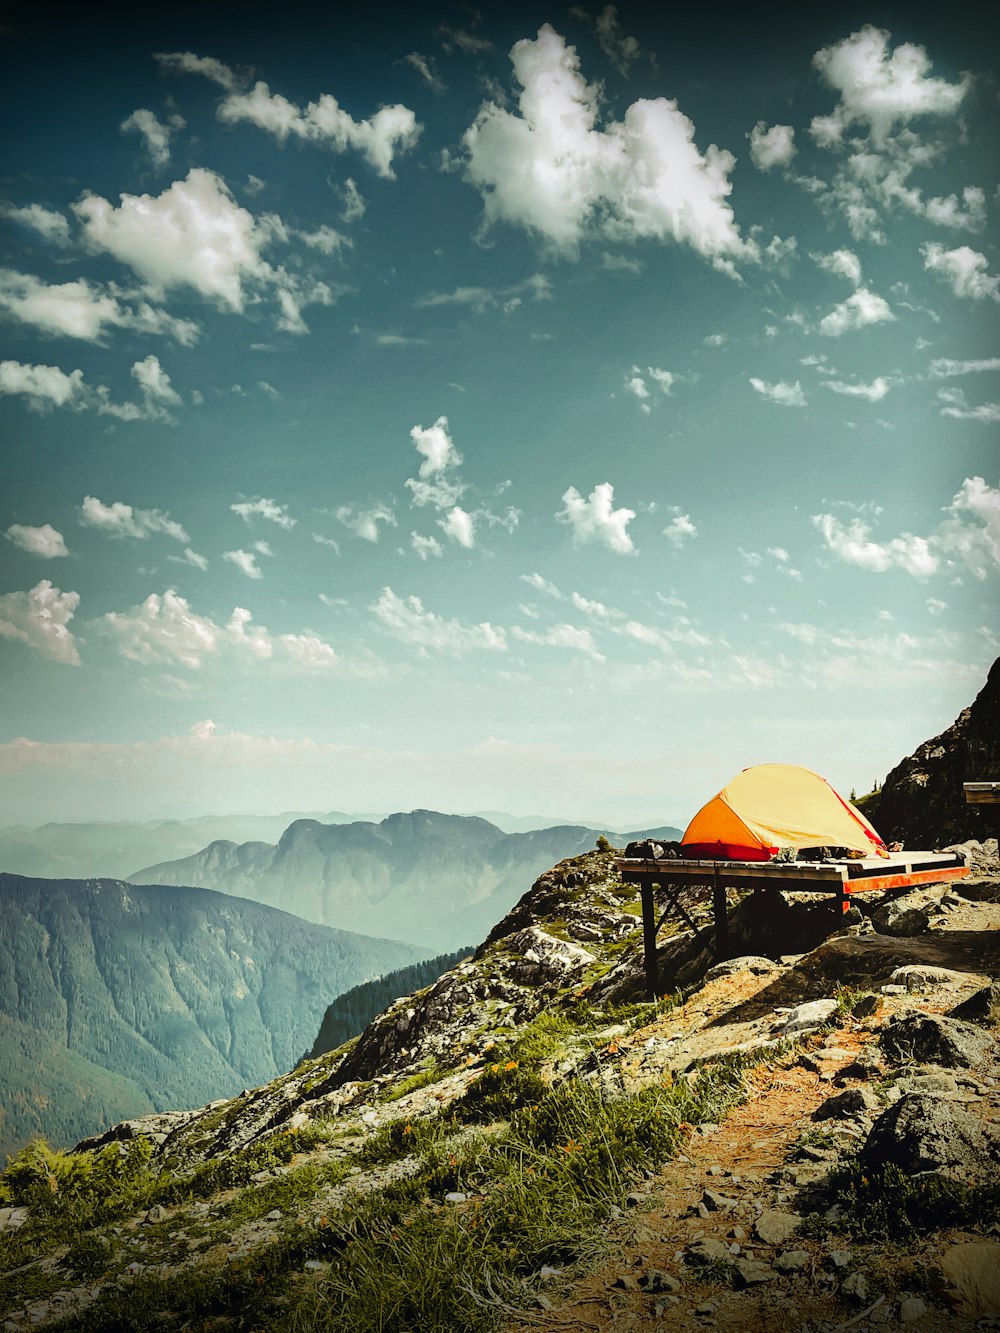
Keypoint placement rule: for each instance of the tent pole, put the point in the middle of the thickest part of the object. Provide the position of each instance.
(649, 940)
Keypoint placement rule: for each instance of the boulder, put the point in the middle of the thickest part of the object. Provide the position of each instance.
(983, 1007)
(855, 1101)
(900, 918)
(936, 1040)
(919, 976)
(807, 1017)
(969, 1277)
(774, 1227)
(748, 963)
(922, 1133)
(546, 958)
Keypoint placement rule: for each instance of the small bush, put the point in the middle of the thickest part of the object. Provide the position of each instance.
(889, 1204)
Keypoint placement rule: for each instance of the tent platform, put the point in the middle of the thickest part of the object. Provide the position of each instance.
(872, 874)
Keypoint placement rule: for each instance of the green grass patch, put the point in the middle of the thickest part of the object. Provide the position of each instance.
(888, 1204)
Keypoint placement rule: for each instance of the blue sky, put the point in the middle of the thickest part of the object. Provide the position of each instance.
(553, 410)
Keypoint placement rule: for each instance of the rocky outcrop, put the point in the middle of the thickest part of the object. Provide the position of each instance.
(921, 802)
(923, 1133)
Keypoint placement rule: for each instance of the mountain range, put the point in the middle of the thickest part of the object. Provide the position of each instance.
(116, 999)
(440, 879)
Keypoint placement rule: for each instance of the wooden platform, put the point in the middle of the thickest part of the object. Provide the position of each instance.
(838, 879)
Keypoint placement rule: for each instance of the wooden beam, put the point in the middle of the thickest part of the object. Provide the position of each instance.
(649, 940)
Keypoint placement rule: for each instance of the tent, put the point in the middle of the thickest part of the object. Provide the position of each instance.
(771, 806)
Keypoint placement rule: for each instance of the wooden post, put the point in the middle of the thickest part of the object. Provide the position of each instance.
(720, 914)
(649, 940)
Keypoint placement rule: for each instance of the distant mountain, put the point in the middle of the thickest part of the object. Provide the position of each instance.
(81, 851)
(921, 803)
(116, 999)
(440, 879)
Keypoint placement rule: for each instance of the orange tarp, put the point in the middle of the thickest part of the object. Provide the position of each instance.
(772, 806)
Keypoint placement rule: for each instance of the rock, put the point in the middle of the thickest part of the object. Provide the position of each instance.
(655, 1280)
(911, 1308)
(717, 1203)
(934, 1039)
(750, 1273)
(969, 1275)
(855, 1289)
(749, 963)
(922, 977)
(274, 1215)
(840, 1258)
(157, 1213)
(791, 1261)
(855, 1101)
(866, 1006)
(922, 1133)
(774, 1227)
(900, 919)
(807, 1017)
(545, 958)
(706, 1251)
(626, 1282)
(456, 1196)
(938, 1081)
(983, 1007)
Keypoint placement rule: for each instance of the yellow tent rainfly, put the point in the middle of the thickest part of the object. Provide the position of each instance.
(772, 806)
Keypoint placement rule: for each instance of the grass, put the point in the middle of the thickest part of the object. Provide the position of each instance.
(887, 1204)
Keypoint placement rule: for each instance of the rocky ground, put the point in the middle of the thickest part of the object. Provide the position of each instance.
(868, 1040)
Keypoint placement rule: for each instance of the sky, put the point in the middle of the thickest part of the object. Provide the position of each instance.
(544, 409)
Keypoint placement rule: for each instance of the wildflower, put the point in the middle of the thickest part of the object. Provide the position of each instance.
(511, 1064)
(407, 1129)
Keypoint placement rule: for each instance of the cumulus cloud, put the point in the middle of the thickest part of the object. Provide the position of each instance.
(433, 485)
(79, 309)
(392, 130)
(874, 392)
(459, 526)
(637, 385)
(880, 89)
(154, 133)
(196, 235)
(853, 543)
(191, 558)
(944, 368)
(47, 222)
(245, 562)
(266, 509)
(861, 308)
(407, 620)
(166, 629)
(44, 387)
(955, 404)
(364, 523)
(561, 636)
(964, 269)
(44, 541)
(680, 529)
(596, 519)
(843, 263)
(774, 147)
(122, 520)
(541, 584)
(549, 169)
(427, 548)
(40, 618)
(785, 395)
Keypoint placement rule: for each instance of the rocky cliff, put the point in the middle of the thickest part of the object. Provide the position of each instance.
(116, 999)
(922, 797)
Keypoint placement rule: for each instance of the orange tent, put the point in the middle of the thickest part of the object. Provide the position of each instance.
(777, 805)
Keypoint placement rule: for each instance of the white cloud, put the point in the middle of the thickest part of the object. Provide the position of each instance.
(594, 608)
(121, 520)
(774, 147)
(426, 547)
(619, 49)
(853, 544)
(364, 523)
(944, 368)
(537, 287)
(435, 444)
(635, 383)
(327, 240)
(44, 541)
(956, 405)
(459, 526)
(79, 310)
(861, 308)
(680, 529)
(879, 89)
(874, 392)
(977, 543)
(166, 629)
(157, 392)
(596, 519)
(40, 618)
(246, 562)
(392, 130)
(550, 170)
(561, 636)
(186, 62)
(190, 558)
(785, 395)
(354, 204)
(48, 223)
(844, 263)
(541, 585)
(424, 66)
(44, 387)
(155, 135)
(266, 509)
(966, 270)
(935, 606)
(715, 339)
(407, 620)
